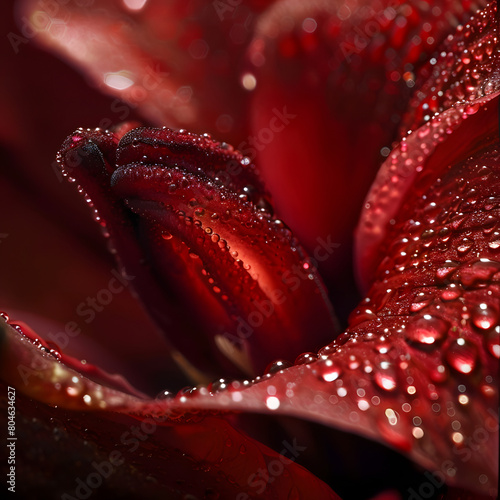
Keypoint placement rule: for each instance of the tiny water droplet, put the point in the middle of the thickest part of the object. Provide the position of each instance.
(307, 357)
(218, 385)
(277, 366)
(164, 395)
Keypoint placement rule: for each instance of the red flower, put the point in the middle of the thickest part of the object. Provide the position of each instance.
(322, 89)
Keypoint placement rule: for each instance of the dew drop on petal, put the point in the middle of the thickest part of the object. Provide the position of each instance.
(328, 371)
(427, 330)
(272, 402)
(164, 395)
(462, 356)
(385, 376)
(277, 366)
(492, 342)
(307, 357)
(484, 316)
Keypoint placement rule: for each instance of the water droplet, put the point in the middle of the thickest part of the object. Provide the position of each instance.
(484, 316)
(464, 246)
(421, 301)
(395, 429)
(218, 385)
(294, 494)
(494, 242)
(164, 395)
(427, 330)
(451, 293)
(492, 341)
(385, 376)
(273, 403)
(277, 366)
(353, 362)
(307, 357)
(462, 356)
(327, 370)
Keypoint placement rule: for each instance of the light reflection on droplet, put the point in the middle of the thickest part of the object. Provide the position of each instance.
(135, 5)
(341, 391)
(273, 403)
(249, 81)
(363, 405)
(391, 416)
(118, 81)
(417, 432)
(463, 399)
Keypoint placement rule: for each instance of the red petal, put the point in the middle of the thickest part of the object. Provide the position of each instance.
(444, 139)
(418, 367)
(116, 446)
(466, 69)
(178, 64)
(205, 241)
(343, 73)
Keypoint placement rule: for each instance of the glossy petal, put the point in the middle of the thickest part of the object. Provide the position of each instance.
(117, 445)
(444, 139)
(418, 367)
(178, 63)
(203, 246)
(344, 72)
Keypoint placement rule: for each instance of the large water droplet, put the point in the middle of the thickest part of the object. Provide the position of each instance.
(427, 330)
(484, 316)
(492, 341)
(462, 356)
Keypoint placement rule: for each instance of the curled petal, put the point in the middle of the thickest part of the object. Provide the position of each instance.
(193, 226)
(417, 368)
